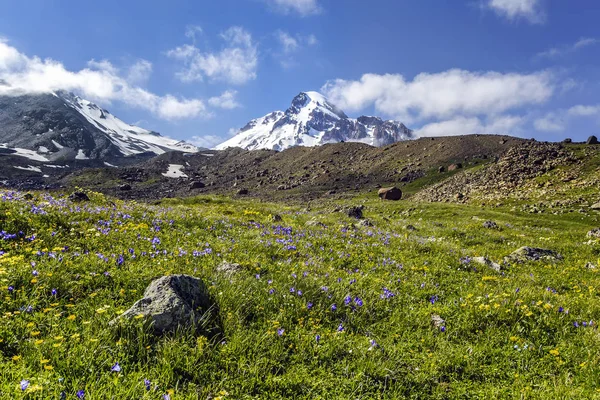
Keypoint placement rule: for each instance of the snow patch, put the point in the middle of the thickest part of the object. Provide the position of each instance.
(29, 168)
(81, 155)
(175, 171)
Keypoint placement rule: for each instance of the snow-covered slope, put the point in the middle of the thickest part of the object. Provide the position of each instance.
(60, 125)
(130, 139)
(312, 120)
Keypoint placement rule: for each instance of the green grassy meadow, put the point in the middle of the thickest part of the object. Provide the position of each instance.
(321, 309)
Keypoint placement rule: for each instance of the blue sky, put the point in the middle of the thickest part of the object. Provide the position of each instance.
(198, 70)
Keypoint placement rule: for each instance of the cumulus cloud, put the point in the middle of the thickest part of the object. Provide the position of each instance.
(557, 121)
(100, 82)
(301, 7)
(288, 43)
(139, 72)
(235, 63)
(516, 9)
(555, 52)
(464, 126)
(226, 100)
(441, 95)
(205, 141)
(584, 111)
(290, 46)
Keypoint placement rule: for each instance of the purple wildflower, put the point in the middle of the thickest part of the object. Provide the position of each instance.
(333, 307)
(280, 331)
(80, 394)
(147, 384)
(317, 338)
(24, 384)
(116, 368)
(309, 305)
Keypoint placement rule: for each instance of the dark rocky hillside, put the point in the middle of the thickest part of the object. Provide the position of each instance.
(299, 172)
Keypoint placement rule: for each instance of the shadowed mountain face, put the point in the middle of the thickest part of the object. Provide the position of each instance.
(62, 126)
(312, 120)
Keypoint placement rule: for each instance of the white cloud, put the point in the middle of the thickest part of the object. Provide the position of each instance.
(290, 46)
(288, 43)
(568, 49)
(443, 95)
(139, 72)
(206, 141)
(191, 31)
(100, 82)
(226, 100)
(584, 111)
(506, 124)
(236, 63)
(551, 122)
(103, 65)
(302, 7)
(515, 9)
(557, 121)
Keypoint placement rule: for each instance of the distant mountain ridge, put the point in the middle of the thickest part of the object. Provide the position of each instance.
(312, 120)
(61, 125)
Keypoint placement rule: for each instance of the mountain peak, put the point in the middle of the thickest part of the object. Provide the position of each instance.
(63, 125)
(313, 120)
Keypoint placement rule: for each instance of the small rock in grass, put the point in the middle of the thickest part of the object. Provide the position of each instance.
(365, 223)
(437, 321)
(525, 254)
(594, 233)
(589, 265)
(410, 228)
(487, 262)
(595, 206)
(171, 302)
(276, 218)
(355, 212)
(227, 268)
(79, 196)
(490, 225)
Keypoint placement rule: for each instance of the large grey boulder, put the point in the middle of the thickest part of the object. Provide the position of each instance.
(525, 254)
(171, 302)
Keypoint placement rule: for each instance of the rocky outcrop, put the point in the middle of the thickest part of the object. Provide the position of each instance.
(525, 254)
(513, 170)
(592, 140)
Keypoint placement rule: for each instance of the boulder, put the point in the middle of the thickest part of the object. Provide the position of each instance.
(487, 263)
(171, 302)
(441, 169)
(355, 212)
(568, 140)
(592, 140)
(595, 206)
(525, 254)
(78, 196)
(390, 193)
(490, 225)
(242, 192)
(125, 187)
(454, 167)
(197, 185)
(594, 233)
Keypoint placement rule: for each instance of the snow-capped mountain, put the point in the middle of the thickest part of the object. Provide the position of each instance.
(312, 120)
(60, 125)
